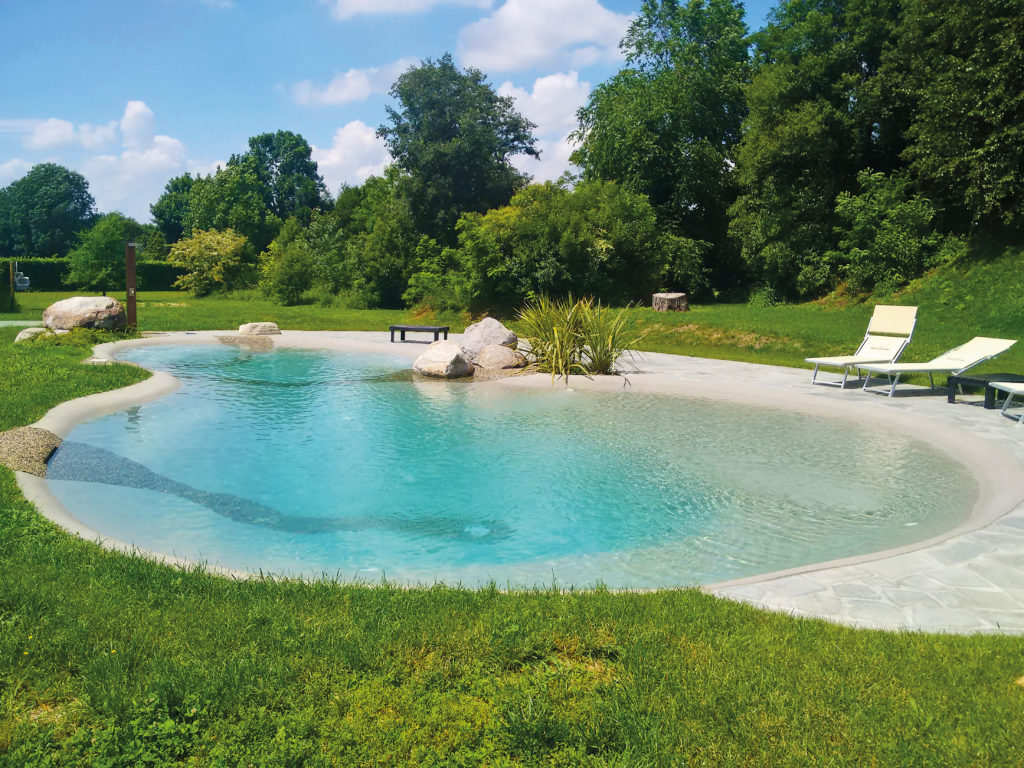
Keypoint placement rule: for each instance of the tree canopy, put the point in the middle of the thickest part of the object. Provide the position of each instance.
(666, 126)
(454, 138)
(282, 164)
(170, 211)
(42, 213)
(98, 261)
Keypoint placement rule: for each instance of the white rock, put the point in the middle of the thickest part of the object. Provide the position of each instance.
(29, 333)
(258, 329)
(444, 359)
(85, 312)
(496, 356)
(487, 331)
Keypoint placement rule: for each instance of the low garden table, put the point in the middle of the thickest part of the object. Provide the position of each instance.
(980, 380)
(437, 330)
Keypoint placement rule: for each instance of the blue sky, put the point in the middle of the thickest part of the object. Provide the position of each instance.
(133, 92)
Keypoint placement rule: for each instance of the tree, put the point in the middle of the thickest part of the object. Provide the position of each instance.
(958, 72)
(233, 198)
(170, 211)
(282, 164)
(454, 138)
(42, 213)
(815, 120)
(98, 262)
(214, 260)
(667, 125)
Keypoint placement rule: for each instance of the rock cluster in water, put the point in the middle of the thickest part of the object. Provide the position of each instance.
(487, 344)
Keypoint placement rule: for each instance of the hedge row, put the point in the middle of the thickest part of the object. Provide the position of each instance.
(48, 275)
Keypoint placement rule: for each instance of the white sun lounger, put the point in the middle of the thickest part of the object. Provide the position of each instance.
(889, 331)
(1011, 388)
(956, 361)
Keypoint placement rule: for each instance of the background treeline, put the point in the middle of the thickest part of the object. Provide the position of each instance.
(849, 145)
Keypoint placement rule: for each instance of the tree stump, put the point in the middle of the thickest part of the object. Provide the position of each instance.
(670, 302)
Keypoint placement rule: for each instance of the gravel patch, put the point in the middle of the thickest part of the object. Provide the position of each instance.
(26, 449)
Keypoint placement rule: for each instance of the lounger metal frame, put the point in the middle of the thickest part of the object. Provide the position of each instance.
(868, 336)
(894, 377)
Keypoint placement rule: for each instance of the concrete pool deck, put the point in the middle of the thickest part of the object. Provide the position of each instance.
(971, 579)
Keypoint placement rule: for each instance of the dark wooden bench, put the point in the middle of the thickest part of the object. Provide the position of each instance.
(437, 330)
(953, 383)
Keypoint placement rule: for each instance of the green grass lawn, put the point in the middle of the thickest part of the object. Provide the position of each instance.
(109, 660)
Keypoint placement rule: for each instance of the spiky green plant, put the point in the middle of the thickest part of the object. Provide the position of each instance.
(606, 337)
(554, 330)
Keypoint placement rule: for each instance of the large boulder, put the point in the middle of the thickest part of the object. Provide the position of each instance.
(445, 360)
(497, 357)
(258, 329)
(487, 331)
(100, 312)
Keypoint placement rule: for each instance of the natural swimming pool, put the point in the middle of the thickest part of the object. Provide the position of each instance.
(312, 462)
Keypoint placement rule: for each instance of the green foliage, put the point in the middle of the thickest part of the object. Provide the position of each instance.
(815, 120)
(170, 211)
(666, 126)
(439, 281)
(453, 138)
(286, 268)
(42, 213)
(570, 337)
(887, 237)
(213, 261)
(598, 238)
(98, 263)
(957, 72)
(282, 164)
(49, 274)
(232, 198)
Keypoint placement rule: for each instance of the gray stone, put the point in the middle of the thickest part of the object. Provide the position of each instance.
(445, 360)
(29, 333)
(495, 356)
(488, 331)
(258, 329)
(100, 312)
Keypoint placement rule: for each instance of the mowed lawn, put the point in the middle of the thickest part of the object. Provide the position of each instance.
(109, 660)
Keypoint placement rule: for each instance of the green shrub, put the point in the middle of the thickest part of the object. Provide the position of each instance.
(213, 261)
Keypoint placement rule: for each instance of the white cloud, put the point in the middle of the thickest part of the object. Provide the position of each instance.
(13, 170)
(554, 160)
(346, 9)
(53, 132)
(355, 154)
(50, 133)
(530, 33)
(553, 101)
(353, 85)
(133, 179)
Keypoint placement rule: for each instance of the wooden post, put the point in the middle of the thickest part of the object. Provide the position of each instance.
(129, 264)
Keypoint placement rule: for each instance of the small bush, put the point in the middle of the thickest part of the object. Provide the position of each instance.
(213, 261)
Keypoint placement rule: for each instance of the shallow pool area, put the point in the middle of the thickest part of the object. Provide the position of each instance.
(309, 462)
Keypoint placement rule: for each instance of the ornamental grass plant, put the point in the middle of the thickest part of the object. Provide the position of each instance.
(579, 336)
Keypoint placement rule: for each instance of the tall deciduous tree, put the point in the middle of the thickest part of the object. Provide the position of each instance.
(814, 121)
(231, 199)
(666, 126)
(170, 211)
(454, 138)
(42, 213)
(958, 71)
(282, 164)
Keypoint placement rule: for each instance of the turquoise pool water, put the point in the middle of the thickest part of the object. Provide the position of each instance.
(318, 463)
